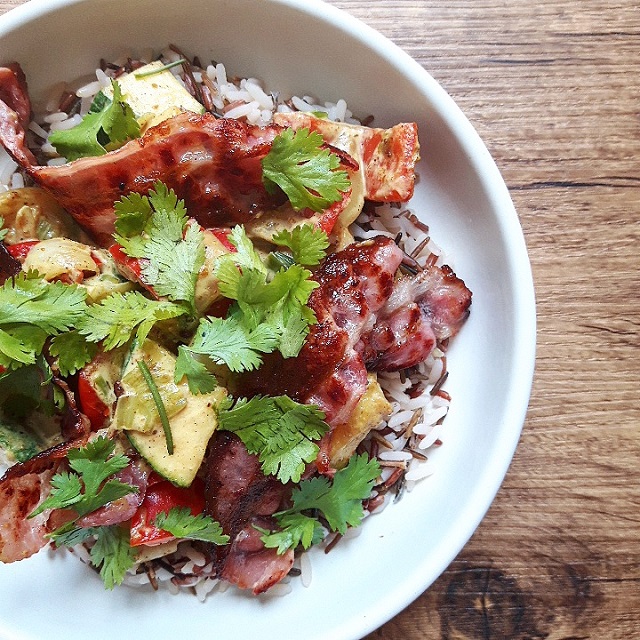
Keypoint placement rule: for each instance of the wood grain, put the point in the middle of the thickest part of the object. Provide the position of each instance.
(553, 88)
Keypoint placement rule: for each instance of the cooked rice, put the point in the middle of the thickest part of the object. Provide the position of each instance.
(402, 442)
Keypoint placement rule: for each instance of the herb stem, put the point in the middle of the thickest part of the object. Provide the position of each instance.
(162, 412)
(153, 72)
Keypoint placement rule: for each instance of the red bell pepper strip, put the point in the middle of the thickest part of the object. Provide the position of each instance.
(161, 497)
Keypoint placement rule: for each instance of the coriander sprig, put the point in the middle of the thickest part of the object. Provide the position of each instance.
(280, 431)
(339, 501)
(304, 169)
(156, 229)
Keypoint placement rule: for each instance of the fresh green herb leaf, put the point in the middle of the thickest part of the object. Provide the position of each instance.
(199, 378)
(182, 524)
(88, 488)
(277, 302)
(32, 309)
(231, 342)
(73, 536)
(157, 229)
(279, 431)
(132, 215)
(112, 554)
(304, 170)
(51, 306)
(27, 389)
(72, 351)
(308, 244)
(3, 232)
(246, 256)
(157, 399)
(121, 315)
(340, 503)
(99, 131)
(296, 529)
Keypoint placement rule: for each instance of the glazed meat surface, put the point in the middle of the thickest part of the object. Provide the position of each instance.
(369, 318)
(238, 495)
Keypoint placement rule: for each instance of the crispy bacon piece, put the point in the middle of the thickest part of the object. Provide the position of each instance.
(423, 310)
(15, 111)
(22, 488)
(249, 565)
(388, 156)
(354, 284)
(238, 495)
(121, 510)
(213, 164)
(367, 319)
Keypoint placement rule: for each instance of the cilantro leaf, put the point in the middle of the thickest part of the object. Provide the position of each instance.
(245, 257)
(72, 351)
(340, 503)
(132, 214)
(182, 524)
(199, 378)
(51, 306)
(231, 342)
(120, 315)
(279, 431)
(112, 554)
(308, 244)
(73, 536)
(296, 529)
(277, 302)
(86, 490)
(32, 309)
(304, 170)
(100, 130)
(156, 228)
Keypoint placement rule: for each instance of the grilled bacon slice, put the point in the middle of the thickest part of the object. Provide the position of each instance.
(238, 495)
(22, 488)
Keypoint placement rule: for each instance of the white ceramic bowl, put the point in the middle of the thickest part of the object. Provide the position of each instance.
(304, 46)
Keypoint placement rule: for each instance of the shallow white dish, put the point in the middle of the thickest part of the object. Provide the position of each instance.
(301, 47)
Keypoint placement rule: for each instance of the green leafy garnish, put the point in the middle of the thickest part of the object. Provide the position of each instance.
(308, 244)
(121, 315)
(199, 378)
(3, 232)
(270, 311)
(304, 170)
(231, 342)
(182, 524)
(112, 554)
(156, 228)
(72, 352)
(32, 309)
(278, 430)
(87, 487)
(106, 127)
(339, 501)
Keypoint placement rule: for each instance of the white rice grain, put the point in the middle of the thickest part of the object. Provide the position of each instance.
(89, 89)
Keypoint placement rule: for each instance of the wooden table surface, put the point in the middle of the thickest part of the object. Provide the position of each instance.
(553, 88)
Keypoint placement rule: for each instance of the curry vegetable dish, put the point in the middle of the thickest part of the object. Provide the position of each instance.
(202, 316)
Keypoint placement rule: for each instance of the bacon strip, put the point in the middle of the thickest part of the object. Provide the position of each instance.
(22, 488)
(239, 495)
(213, 164)
(354, 284)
